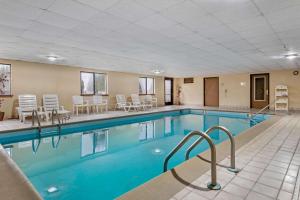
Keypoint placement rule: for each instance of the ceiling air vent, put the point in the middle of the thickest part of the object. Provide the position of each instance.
(188, 80)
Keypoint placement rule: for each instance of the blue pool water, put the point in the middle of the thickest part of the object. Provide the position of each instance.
(103, 160)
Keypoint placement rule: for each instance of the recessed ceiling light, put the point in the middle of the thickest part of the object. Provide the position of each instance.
(157, 71)
(291, 56)
(52, 58)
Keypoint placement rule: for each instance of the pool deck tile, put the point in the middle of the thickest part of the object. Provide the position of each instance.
(272, 166)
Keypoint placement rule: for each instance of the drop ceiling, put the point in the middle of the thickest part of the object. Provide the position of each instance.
(180, 37)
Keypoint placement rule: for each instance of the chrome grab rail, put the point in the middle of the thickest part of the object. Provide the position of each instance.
(251, 116)
(33, 145)
(35, 115)
(55, 113)
(55, 144)
(213, 184)
(232, 167)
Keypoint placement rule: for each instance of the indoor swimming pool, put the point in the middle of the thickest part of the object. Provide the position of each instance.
(105, 159)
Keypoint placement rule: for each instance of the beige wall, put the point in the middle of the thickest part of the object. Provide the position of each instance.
(233, 94)
(39, 79)
(191, 93)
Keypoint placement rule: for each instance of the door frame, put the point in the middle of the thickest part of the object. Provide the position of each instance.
(204, 103)
(251, 87)
(172, 90)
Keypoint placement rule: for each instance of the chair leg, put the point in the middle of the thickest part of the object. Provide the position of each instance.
(88, 110)
(77, 110)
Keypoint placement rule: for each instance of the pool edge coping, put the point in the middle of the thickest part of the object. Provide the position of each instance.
(23, 188)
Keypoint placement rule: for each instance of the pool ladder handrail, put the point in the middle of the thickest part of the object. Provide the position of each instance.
(213, 184)
(253, 115)
(35, 115)
(232, 167)
(53, 115)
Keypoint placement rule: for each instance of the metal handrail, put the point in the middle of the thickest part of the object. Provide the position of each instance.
(251, 116)
(213, 184)
(55, 145)
(35, 148)
(55, 113)
(35, 115)
(232, 167)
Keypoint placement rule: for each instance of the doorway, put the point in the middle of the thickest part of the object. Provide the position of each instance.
(168, 91)
(211, 91)
(259, 90)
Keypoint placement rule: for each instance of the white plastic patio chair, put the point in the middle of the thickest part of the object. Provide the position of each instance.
(136, 101)
(122, 103)
(78, 103)
(99, 102)
(50, 103)
(28, 103)
(151, 100)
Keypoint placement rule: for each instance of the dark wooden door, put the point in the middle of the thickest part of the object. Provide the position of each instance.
(168, 91)
(259, 90)
(211, 91)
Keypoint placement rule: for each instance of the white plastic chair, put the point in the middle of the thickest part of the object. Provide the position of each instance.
(122, 103)
(50, 103)
(28, 103)
(78, 102)
(151, 100)
(136, 101)
(97, 102)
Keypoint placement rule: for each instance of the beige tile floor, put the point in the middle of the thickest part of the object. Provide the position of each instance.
(270, 168)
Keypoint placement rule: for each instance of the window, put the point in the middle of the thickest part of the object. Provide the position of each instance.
(100, 83)
(5, 80)
(146, 85)
(93, 142)
(147, 130)
(93, 83)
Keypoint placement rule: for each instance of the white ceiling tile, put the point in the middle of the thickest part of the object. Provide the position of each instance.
(271, 6)
(13, 21)
(58, 20)
(176, 30)
(46, 29)
(20, 9)
(101, 5)
(43, 4)
(35, 36)
(7, 30)
(156, 22)
(158, 5)
(108, 21)
(130, 10)
(187, 13)
(73, 9)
